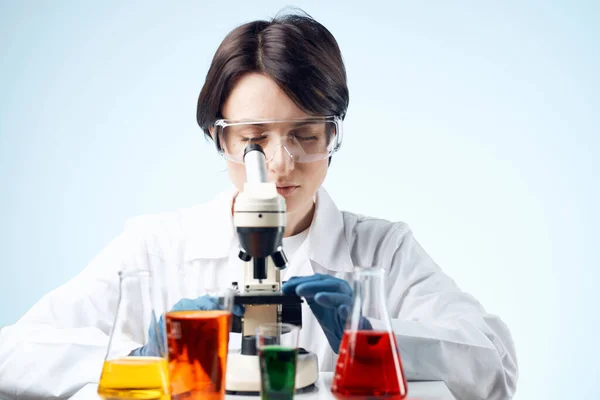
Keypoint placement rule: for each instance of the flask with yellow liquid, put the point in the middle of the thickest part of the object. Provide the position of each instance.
(135, 366)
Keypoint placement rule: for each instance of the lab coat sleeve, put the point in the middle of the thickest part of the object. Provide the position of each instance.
(59, 345)
(444, 333)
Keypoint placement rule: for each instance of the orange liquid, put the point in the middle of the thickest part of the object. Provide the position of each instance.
(369, 366)
(198, 342)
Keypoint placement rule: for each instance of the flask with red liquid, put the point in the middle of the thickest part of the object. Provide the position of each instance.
(369, 363)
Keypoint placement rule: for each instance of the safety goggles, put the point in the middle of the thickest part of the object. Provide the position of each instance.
(304, 140)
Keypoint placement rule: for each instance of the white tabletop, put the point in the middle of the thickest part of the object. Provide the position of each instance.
(416, 390)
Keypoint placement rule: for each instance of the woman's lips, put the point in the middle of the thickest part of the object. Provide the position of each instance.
(286, 190)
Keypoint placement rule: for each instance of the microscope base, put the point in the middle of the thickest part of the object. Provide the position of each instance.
(243, 373)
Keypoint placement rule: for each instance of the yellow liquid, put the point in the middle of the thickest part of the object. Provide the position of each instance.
(134, 378)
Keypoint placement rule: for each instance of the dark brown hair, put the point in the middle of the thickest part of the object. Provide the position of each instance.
(294, 50)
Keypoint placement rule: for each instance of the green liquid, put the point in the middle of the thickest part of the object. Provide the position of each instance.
(278, 372)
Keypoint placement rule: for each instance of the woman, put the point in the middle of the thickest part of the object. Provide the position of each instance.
(290, 70)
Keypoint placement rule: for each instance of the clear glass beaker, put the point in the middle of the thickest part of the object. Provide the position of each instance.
(277, 345)
(198, 344)
(369, 363)
(135, 366)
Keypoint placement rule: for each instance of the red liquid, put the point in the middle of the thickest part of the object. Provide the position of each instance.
(197, 344)
(369, 365)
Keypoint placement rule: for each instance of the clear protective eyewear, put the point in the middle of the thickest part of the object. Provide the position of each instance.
(304, 140)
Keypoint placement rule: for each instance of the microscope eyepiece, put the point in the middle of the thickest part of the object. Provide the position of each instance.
(253, 147)
(255, 163)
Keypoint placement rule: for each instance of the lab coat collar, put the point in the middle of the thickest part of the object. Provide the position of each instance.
(327, 244)
(326, 241)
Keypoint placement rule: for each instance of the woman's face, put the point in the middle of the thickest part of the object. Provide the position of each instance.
(254, 97)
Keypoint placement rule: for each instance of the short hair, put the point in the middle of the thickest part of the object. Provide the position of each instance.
(294, 50)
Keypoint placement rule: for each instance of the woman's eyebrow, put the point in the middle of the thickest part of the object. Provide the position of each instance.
(268, 125)
(303, 123)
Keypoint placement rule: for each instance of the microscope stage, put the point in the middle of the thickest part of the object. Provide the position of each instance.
(267, 298)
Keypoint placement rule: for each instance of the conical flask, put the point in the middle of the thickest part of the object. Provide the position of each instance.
(135, 366)
(369, 363)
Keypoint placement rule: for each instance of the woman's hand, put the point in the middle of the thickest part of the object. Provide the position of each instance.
(330, 300)
(156, 335)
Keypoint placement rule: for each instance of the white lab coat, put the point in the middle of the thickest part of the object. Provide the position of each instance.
(443, 333)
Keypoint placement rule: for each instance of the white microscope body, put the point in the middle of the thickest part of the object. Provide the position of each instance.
(260, 218)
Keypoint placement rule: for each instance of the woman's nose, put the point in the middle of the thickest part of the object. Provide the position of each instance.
(281, 161)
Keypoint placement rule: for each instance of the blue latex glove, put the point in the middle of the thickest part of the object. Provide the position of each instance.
(155, 345)
(330, 300)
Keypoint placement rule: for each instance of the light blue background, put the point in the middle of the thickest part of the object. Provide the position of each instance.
(475, 122)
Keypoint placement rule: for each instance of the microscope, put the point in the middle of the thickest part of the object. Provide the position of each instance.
(260, 218)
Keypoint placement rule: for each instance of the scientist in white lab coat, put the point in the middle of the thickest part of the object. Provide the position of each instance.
(287, 78)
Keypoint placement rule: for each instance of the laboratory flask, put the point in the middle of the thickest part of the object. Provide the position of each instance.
(135, 366)
(369, 362)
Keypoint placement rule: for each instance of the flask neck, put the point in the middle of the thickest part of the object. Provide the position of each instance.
(369, 294)
(135, 318)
